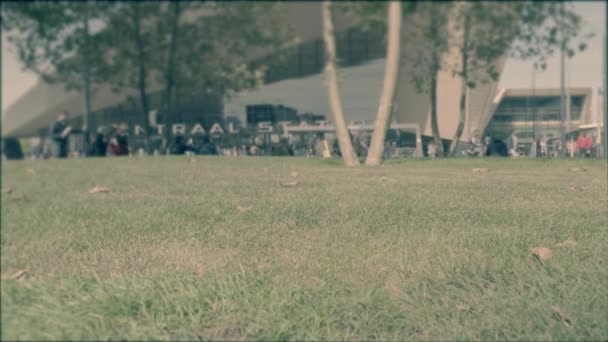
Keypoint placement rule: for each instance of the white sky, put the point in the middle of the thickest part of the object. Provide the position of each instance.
(584, 70)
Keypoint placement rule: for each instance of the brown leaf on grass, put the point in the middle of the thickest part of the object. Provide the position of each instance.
(30, 171)
(463, 307)
(542, 253)
(19, 197)
(98, 189)
(289, 184)
(481, 169)
(16, 275)
(569, 242)
(294, 174)
(577, 169)
(576, 188)
(8, 190)
(561, 316)
(244, 209)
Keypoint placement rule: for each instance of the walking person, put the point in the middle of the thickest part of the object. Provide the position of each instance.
(59, 132)
(571, 146)
(580, 144)
(484, 147)
(431, 150)
(543, 146)
(119, 143)
(322, 147)
(512, 143)
(588, 145)
(99, 147)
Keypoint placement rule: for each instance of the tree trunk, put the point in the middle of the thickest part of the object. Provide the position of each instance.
(464, 86)
(391, 75)
(170, 70)
(141, 62)
(346, 146)
(433, 97)
(87, 88)
(87, 110)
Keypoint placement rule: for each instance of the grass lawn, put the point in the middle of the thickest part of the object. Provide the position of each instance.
(216, 249)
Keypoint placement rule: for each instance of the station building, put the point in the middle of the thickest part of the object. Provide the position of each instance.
(299, 85)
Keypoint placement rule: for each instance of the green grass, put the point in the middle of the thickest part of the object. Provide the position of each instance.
(412, 250)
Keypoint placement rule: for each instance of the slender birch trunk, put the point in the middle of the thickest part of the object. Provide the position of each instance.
(346, 147)
(391, 75)
(465, 80)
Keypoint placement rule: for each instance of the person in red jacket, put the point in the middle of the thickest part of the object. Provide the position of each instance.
(580, 144)
(588, 145)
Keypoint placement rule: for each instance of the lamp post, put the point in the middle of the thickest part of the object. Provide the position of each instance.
(562, 112)
(534, 103)
(605, 99)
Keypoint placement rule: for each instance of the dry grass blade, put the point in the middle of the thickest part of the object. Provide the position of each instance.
(16, 275)
(542, 253)
(562, 316)
(463, 307)
(98, 189)
(576, 188)
(289, 184)
(481, 169)
(570, 242)
(577, 169)
(386, 179)
(244, 209)
(19, 197)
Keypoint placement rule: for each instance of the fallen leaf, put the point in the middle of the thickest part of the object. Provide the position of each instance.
(294, 174)
(30, 171)
(16, 275)
(577, 169)
(7, 190)
(289, 184)
(244, 209)
(98, 189)
(561, 316)
(19, 197)
(576, 188)
(568, 242)
(482, 169)
(463, 307)
(542, 253)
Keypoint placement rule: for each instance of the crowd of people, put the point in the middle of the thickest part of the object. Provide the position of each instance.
(542, 147)
(114, 141)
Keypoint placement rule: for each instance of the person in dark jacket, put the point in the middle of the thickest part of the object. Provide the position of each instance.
(119, 144)
(497, 148)
(12, 149)
(179, 146)
(59, 136)
(99, 146)
(207, 147)
(282, 148)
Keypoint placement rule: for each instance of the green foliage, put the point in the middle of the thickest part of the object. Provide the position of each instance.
(58, 40)
(212, 50)
(213, 46)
